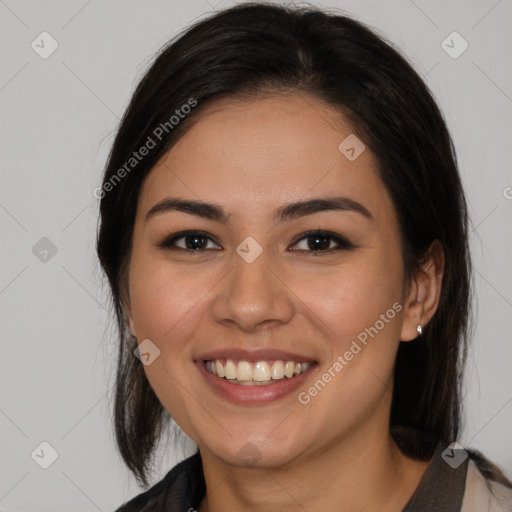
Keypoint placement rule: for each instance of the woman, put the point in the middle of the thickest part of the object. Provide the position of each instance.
(284, 232)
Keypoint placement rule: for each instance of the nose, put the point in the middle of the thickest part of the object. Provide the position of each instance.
(254, 296)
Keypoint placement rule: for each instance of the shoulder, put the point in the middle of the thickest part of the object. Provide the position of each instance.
(482, 494)
(174, 482)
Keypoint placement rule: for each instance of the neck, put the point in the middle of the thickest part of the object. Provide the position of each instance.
(364, 471)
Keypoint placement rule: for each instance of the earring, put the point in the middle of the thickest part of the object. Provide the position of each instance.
(419, 329)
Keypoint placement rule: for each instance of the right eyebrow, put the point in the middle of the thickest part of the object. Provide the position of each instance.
(207, 210)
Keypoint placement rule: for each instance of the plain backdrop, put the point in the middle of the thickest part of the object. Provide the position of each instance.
(58, 117)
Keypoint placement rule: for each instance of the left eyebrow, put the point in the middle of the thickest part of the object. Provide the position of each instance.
(284, 213)
(302, 208)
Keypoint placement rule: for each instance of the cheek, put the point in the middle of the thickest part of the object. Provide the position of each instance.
(168, 304)
(358, 308)
(351, 298)
(166, 299)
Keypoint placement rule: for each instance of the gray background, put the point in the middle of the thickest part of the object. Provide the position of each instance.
(57, 120)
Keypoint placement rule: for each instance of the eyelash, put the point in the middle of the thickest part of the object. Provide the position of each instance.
(343, 243)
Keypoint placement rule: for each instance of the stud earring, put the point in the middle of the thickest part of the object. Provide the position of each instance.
(419, 330)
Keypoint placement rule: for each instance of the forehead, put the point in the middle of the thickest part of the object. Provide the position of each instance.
(252, 155)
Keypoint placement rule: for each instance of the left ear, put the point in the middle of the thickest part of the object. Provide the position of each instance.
(422, 298)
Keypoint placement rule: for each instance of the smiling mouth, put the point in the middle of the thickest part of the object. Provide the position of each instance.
(256, 373)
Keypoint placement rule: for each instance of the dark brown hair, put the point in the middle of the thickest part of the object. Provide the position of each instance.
(258, 48)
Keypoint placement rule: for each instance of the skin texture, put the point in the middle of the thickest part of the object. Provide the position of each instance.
(251, 157)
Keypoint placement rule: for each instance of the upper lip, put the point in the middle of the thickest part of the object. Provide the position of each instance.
(256, 354)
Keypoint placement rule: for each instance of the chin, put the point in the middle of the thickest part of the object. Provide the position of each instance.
(257, 452)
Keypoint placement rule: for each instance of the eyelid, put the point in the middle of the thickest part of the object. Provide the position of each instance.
(343, 242)
(168, 241)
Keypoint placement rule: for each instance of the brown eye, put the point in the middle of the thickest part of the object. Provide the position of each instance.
(188, 241)
(322, 241)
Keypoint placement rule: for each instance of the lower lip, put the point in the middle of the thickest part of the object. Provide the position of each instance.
(240, 394)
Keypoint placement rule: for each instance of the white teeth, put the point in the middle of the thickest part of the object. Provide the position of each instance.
(210, 366)
(230, 369)
(277, 370)
(305, 366)
(254, 382)
(259, 372)
(244, 371)
(220, 369)
(288, 369)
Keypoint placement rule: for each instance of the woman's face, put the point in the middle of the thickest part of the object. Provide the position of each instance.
(259, 294)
